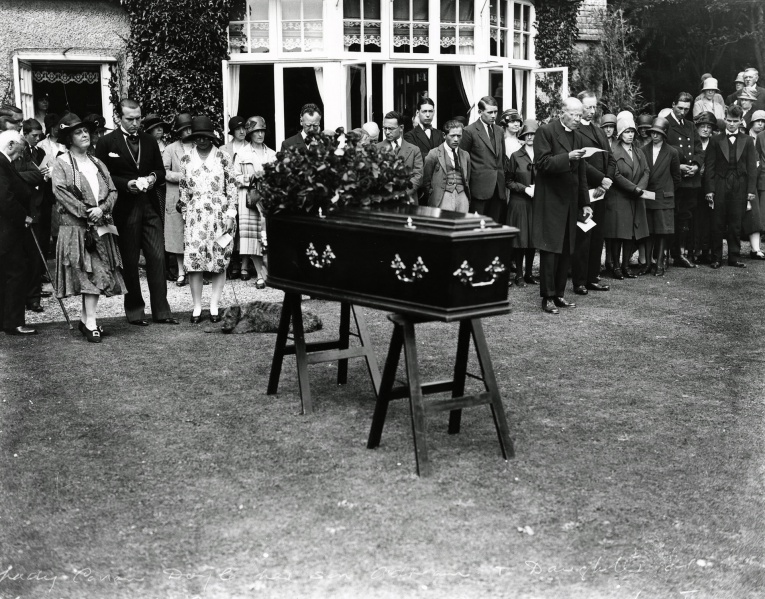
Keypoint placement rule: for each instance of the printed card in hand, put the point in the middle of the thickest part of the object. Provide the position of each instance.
(224, 240)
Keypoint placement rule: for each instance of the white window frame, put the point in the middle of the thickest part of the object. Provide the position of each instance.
(459, 25)
(280, 33)
(346, 64)
(247, 22)
(104, 61)
(364, 20)
(431, 27)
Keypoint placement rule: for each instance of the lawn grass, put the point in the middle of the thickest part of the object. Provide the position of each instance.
(154, 465)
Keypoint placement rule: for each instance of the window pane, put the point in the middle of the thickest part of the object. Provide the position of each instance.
(313, 9)
(526, 17)
(290, 9)
(237, 11)
(371, 9)
(258, 10)
(517, 17)
(352, 9)
(503, 13)
(466, 11)
(517, 46)
(448, 10)
(401, 10)
(259, 37)
(420, 10)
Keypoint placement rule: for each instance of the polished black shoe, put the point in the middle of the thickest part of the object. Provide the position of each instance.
(246, 276)
(757, 255)
(597, 287)
(140, 322)
(617, 274)
(737, 264)
(659, 272)
(715, 265)
(549, 306)
(531, 280)
(195, 319)
(167, 321)
(260, 284)
(215, 317)
(643, 270)
(581, 290)
(83, 329)
(628, 274)
(92, 335)
(21, 331)
(684, 262)
(35, 307)
(519, 281)
(46, 294)
(561, 303)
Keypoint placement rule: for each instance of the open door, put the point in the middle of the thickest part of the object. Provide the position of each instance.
(358, 94)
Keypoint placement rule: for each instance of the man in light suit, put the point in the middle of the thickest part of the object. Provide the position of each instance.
(560, 200)
(135, 164)
(310, 122)
(485, 143)
(730, 180)
(393, 129)
(447, 172)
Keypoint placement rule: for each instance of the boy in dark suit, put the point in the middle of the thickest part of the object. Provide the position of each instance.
(424, 135)
(135, 164)
(730, 180)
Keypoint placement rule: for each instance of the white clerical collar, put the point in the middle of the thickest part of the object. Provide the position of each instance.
(566, 128)
(585, 122)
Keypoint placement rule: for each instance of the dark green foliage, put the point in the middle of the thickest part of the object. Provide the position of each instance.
(327, 177)
(556, 35)
(175, 51)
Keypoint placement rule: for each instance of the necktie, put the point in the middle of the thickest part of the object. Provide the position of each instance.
(456, 160)
(491, 137)
(394, 147)
(427, 129)
(732, 139)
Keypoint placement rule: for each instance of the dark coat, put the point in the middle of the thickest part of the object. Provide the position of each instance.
(412, 159)
(687, 142)
(664, 177)
(560, 190)
(519, 174)
(600, 164)
(625, 216)
(719, 162)
(434, 175)
(488, 166)
(418, 138)
(113, 151)
(296, 141)
(14, 205)
(27, 166)
(760, 147)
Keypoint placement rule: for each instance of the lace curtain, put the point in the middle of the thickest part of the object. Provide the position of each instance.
(66, 77)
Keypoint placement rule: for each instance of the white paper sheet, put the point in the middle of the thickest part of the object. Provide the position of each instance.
(586, 225)
(648, 195)
(104, 229)
(590, 150)
(224, 240)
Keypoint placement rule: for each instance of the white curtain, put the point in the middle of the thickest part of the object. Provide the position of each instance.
(320, 82)
(518, 85)
(468, 84)
(233, 75)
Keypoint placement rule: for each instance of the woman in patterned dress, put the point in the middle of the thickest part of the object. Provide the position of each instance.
(252, 233)
(88, 261)
(208, 197)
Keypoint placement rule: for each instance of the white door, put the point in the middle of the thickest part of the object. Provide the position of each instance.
(358, 93)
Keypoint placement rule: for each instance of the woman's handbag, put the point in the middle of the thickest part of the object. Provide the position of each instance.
(91, 237)
(253, 195)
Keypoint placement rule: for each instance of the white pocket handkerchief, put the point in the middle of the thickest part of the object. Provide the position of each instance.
(114, 155)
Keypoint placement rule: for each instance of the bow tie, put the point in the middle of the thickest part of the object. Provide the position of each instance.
(426, 127)
(132, 138)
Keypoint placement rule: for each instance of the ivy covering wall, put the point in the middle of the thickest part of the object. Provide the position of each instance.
(174, 55)
(556, 34)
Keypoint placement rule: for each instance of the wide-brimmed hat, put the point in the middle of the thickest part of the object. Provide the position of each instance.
(759, 115)
(182, 121)
(98, 121)
(739, 78)
(255, 123)
(234, 123)
(710, 83)
(70, 122)
(510, 115)
(608, 119)
(747, 94)
(624, 121)
(150, 121)
(644, 121)
(660, 125)
(529, 126)
(202, 126)
(706, 118)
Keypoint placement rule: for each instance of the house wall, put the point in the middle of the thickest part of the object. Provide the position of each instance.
(54, 26)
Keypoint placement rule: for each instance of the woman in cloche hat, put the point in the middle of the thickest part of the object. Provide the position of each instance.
(171, 158)
(626, 223)
(208, 200)
(706, 125)
(709, 100)
(88, 261)
(511, 121)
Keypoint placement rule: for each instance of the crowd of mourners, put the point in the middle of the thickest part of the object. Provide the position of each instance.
(649, 190)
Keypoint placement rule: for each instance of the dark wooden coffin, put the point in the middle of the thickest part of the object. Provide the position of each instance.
(407, 259)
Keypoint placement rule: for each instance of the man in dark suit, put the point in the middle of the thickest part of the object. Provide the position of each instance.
(393, 129)
(588, 248)
(446, 179)
(560, 200)
(730, 180)
(135, 164)
(310, 121)
(682, 136)
(751, 77)
(485, 142)
(739, 83)
(14, 203)
(424, 135)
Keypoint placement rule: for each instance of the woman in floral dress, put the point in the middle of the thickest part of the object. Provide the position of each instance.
(208, 198)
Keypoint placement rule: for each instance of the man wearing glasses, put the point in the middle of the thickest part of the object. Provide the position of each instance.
(310, 121)
(393, 131)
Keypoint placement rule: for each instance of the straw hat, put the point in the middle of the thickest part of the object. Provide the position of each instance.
(747, 94)
(624, 121)
(710, 83)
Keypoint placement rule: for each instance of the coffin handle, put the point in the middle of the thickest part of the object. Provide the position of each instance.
(326, 258)
(418, 269)
(465, 273)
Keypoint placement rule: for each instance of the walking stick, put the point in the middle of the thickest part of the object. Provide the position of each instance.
(42, 257)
